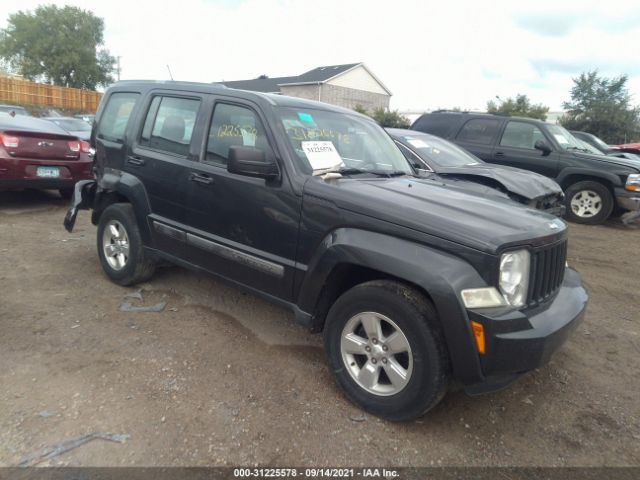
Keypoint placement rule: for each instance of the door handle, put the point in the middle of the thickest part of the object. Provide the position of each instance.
(200, 178)
(137, 161)
(499, 154)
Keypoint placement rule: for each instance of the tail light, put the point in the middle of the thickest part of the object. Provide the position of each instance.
(85, 147)
(10, 141)
(74, 145)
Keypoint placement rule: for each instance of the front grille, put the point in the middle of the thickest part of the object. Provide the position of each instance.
(547, 271)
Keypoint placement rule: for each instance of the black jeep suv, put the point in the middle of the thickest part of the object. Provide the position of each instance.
(593, 184)
(413, 284)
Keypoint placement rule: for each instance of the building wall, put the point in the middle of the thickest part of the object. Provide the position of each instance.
(310, 92)
(360, 79)
(335, 95)
(350, 97)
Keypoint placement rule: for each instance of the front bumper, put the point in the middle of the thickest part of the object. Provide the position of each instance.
(628, 200)
(518, 341)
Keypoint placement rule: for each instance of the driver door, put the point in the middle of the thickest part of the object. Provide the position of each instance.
(241, 227)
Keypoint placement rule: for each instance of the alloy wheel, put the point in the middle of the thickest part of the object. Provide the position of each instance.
(115, 244)
(376, 353)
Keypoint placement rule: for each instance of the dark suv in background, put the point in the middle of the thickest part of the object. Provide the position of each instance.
(414, 285)
(593, 184)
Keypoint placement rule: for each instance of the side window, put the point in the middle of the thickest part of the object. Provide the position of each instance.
(232, 126)
(115, 117)
(479, 130)
(521, 135)
(169, 124)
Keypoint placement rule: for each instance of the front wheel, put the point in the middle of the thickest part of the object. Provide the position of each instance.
(588, 202)
(120, 247)
(385, 348)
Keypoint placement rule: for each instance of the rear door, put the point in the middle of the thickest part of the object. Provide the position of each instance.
(478, 136)
(516, 149)
(160, 158)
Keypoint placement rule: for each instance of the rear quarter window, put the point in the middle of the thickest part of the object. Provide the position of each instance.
(116, 115)
(440, 125)
(479, 130)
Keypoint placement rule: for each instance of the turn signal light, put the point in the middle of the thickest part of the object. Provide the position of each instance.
(633, 188)
(74, 145)
(478, 333)
(85, 147)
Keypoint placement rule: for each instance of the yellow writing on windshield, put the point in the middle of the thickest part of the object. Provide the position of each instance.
(301, 134)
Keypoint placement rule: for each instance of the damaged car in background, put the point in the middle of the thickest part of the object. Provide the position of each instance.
(445, 162)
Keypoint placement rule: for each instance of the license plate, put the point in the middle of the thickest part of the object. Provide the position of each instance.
(49, 172)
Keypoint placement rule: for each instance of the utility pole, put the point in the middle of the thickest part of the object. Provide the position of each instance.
(118, 68)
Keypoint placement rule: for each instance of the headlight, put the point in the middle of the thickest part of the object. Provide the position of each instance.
(633, 182)
(514, 276)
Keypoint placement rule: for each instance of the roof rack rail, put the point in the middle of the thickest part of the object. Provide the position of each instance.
(446, 110)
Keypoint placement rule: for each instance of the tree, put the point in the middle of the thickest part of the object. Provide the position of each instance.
(520, 106)
(602, 106)
(63, 46)
(385, 117)
(360, 109)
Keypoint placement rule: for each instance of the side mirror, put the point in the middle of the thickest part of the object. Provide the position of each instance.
(251, 162)
(542, 146)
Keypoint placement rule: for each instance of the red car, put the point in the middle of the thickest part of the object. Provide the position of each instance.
(35, 153)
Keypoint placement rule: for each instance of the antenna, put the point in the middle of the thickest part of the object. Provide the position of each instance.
(171, 76)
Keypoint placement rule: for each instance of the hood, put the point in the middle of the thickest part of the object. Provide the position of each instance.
(626, 162)
(526, 184)
(433, 208)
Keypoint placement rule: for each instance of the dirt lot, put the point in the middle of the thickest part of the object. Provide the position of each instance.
(221, 377)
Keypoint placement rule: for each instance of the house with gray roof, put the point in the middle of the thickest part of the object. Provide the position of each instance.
(345, 85)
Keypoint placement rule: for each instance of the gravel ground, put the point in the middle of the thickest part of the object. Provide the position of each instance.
(221, 377)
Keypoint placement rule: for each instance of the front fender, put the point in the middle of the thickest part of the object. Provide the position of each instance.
(609, 177)
(440, 274)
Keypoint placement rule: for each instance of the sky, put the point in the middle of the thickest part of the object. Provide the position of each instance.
(428, 54)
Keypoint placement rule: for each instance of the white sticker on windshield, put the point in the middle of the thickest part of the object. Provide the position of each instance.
(415, 142)
(322, 156)
(561, 138)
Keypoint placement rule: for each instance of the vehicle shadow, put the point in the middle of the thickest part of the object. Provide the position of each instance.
(30, 199)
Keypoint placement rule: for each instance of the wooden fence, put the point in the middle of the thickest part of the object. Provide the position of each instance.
(24, 92)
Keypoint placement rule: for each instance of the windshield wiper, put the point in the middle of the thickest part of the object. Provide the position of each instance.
(379, 173)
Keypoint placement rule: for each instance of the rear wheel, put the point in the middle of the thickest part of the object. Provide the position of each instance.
(588, 202)
(120, 247)
(384, 346)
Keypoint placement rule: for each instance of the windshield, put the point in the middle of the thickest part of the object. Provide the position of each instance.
(600, 143)
(440, 152)
(327, 141)
(587, 147)
(564, 138)
(72, 124)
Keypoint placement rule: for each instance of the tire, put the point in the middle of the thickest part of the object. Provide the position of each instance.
(120, 246)
(398, 309)
(66, 193)
(588, 202)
